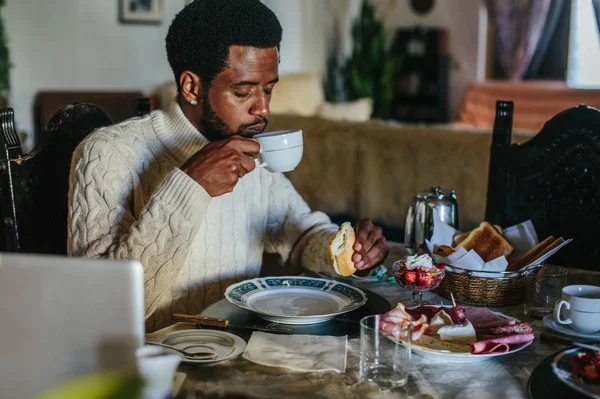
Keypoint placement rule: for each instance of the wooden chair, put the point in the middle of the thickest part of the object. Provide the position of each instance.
(34, 187)
(553, 179)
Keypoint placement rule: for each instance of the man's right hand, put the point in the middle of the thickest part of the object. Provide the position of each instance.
(220, 164)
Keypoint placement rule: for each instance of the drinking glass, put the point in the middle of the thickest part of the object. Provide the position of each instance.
(384, 359)
(542, 290)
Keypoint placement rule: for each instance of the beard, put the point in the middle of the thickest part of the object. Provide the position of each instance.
(215, 128)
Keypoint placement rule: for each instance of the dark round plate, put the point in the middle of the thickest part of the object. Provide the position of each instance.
(543, 383)
(346, 324)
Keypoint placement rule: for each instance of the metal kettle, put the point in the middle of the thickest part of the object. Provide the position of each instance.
(419, 220)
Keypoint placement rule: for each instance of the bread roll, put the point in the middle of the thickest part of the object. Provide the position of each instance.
(341, 250)
(443, 250)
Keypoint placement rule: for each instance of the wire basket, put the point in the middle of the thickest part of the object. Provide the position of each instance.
(481, 288)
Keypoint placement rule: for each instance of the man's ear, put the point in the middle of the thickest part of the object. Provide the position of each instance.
(190, 86)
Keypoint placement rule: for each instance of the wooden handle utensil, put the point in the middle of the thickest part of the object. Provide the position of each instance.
(201, 321)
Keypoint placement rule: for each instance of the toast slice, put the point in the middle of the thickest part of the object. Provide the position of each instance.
(461, 237)
(549, 248)
(530, 255)
(487, 242)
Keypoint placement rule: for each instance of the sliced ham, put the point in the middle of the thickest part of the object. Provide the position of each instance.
(428, 311)
(500, 344)
(483, 319)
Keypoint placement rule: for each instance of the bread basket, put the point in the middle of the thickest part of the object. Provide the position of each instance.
(481, 288)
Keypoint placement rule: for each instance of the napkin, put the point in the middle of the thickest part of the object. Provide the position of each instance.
(307, 353)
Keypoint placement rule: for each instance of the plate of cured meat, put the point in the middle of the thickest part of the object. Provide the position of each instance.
(456, 333)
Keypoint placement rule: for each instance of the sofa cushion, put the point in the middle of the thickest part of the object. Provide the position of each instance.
(352, 111)
(298, 94)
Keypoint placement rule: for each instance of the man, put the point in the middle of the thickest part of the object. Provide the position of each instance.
(178, 189)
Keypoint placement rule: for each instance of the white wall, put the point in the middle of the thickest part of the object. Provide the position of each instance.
(80, 44)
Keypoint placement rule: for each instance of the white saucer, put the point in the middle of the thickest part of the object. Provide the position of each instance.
(226, 345)
(550, 323)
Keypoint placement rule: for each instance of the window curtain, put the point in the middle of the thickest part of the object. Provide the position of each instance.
(558, 9)
(518, 26)
(596, 4)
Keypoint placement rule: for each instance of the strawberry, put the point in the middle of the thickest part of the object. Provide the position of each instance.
(425, 279)
(410, 277)
(439, 266)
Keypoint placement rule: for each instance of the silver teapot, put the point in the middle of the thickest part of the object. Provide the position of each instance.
(419, 220)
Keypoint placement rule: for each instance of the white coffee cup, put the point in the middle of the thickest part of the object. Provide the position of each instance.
(157, 368)
(280, 151)
(581, 305)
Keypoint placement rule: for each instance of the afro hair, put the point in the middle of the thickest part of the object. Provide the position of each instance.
(200, 35)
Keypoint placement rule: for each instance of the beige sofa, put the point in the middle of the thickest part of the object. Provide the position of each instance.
(356, 168)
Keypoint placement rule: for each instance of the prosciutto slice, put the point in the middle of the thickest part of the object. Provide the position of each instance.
(483, 319)
(500, 344)
(398, 320)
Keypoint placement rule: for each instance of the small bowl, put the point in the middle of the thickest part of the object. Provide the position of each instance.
(418, 281)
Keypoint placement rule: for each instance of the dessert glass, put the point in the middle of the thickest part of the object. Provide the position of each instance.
(418, 274)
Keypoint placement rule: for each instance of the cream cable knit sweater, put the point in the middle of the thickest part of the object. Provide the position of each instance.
(128, 199)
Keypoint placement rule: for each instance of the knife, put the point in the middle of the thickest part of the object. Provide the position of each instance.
(223, 323)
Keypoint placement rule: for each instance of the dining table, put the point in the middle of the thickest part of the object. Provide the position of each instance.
(504, 376)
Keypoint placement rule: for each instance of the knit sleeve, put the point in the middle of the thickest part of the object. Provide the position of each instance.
(295, 232)
(103, 224)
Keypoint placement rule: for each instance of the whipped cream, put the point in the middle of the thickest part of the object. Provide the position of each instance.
(423, 261)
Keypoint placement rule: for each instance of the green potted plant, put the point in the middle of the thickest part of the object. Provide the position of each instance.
(371, 69)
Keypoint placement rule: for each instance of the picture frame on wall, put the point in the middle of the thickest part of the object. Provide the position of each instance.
(141, 11)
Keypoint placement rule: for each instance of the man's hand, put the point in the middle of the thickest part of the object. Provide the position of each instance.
(370, 247)
(220, 164)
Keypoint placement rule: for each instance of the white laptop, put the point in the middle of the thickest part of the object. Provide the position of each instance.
(63, 317)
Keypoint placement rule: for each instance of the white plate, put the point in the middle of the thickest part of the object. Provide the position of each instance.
(295, 300)
(562, 366)
(437, 349)
(226, 345)
(553, 325)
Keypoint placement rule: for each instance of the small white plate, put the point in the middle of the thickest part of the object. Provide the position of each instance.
(433, 347)
(375, 275)
(226, 345)
(562, 366)
(566, 330)
(295, 300)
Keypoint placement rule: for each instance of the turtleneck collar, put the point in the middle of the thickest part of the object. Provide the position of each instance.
(177, 133)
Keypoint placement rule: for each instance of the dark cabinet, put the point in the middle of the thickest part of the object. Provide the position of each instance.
(421, 88)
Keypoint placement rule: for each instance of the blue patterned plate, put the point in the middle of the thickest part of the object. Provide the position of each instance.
(295, 300)
(562, 366)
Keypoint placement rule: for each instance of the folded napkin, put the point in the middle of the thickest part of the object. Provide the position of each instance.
(298, 352)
